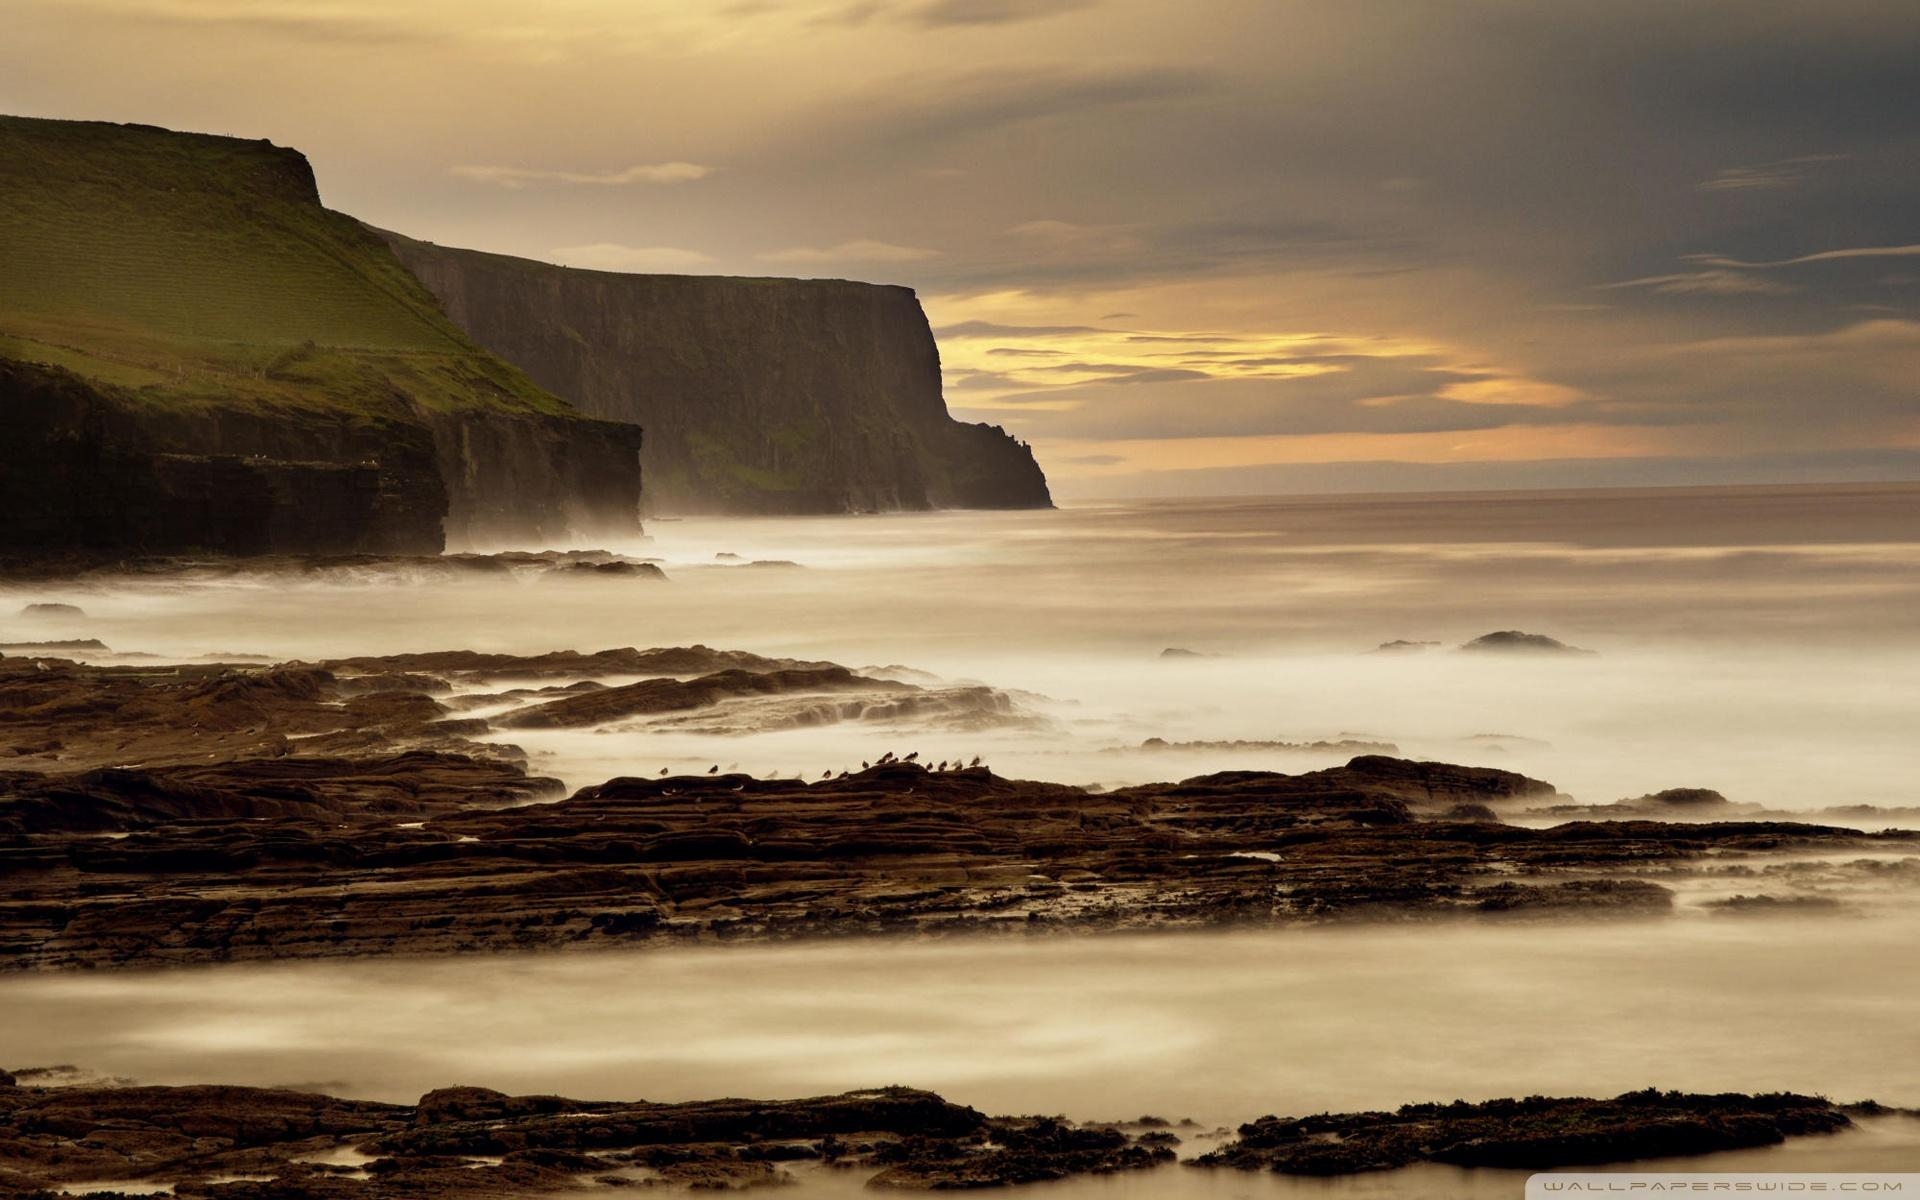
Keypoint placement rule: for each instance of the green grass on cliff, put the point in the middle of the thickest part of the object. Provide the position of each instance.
(189, 269)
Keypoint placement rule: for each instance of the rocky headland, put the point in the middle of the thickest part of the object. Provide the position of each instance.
(196, 355)
(757, 395)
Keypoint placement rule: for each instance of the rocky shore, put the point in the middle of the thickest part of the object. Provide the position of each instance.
(156, 815)
(1535, 1134)
(244, 1143)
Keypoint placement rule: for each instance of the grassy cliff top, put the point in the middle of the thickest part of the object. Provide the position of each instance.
(192, 269)
(535, 268)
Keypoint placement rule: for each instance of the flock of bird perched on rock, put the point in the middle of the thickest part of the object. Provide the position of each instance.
(953, 764)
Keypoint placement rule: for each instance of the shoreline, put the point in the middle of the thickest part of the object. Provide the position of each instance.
(222, 1141)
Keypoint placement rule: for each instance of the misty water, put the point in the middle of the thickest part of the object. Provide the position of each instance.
(1218, 1028)
(1759, 641)
(1762, 642)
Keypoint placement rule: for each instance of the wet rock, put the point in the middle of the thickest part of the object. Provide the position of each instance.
(672, 695)
(637, 570)
(472, 1142)
(1537, 1133)
(52, 610)
(443, 856)
(204, 813)
(1673, 804)
(1028, 1150)
(1513, 641)
(282, 790)
(470, 665)
(70, 646)
(1403, 646)
(1769, 904)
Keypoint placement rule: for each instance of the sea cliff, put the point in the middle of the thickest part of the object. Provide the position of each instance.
(195, 354)
(757, 395)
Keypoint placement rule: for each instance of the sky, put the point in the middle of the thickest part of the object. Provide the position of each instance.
(1212, 247)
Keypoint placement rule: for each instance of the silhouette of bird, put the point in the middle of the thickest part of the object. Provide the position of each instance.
(913, 757)
(714, 769)
(663, 770)
(975, 762)
(864, 765)
(827, 774)
(942, 766)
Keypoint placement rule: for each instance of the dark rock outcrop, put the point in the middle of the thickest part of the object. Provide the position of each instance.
(1672, 804)
(757, 395)
(52, 611)
(1511, 641)
(341, 810)
(1537, 1133)
(673, 695)
(478, 1144)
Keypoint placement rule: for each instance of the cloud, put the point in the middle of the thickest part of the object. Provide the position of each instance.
(1704, 283)
(1387, 475)
(613, 256)
(1716, 260)
(937, 13)
(516, 177)
(1390, 396)
(361, 24)
(991, 329)
(1155, 375)
(1069, 235)
(949, 14)
(914, 113)
(860, 250)
(1768, 177)
(1721, 275)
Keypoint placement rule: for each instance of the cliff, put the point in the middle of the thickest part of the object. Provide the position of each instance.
(757, 395)
(195, 354)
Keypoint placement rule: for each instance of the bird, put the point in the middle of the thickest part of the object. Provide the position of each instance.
(827, 774)
(913, 757)
(865, 766)
(663, 770)
(714, 769)
(942, 766)
(975, 762)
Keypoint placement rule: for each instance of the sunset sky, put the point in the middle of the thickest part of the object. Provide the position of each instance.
(1213, 246)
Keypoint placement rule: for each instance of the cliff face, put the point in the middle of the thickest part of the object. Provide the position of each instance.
(536, 479)
(83, 470)
(196, 355)
(757, 395)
